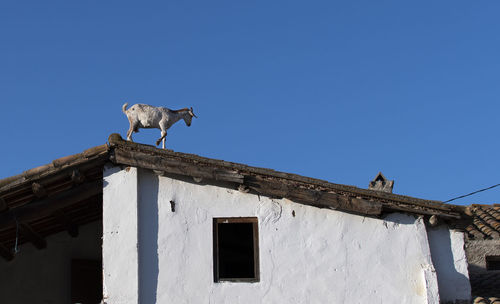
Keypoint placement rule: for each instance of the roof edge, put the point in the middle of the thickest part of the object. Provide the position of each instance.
(391, 202)
(54, 167)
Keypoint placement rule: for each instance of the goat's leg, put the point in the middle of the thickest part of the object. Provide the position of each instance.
(162, 138)
(129, 133)
(133, 127)
(163, 143)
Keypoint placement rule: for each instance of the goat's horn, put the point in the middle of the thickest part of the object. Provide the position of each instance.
(192, 113)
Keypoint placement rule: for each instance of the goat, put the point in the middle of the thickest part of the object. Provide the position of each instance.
(146, 116)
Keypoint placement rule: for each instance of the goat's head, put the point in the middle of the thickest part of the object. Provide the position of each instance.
(189, 116)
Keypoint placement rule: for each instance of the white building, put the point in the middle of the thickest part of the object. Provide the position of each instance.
(179, 228)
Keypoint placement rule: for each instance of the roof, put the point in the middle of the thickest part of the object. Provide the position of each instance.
(482, 300)
(68, 192)
(273, 183)
(48, 199)
(485, 222)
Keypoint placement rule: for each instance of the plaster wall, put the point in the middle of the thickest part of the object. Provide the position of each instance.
(449, 259)
(43, 276)
(316, 256)
(119, 248)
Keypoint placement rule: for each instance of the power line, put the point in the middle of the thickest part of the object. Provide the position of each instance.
(462, 196)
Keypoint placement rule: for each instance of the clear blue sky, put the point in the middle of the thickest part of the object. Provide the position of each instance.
(336, 90)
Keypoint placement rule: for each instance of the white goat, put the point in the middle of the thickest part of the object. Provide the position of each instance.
(146, 116)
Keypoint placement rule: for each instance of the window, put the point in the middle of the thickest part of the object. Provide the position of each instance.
(86, 281)
(493, 262)
(236, 249)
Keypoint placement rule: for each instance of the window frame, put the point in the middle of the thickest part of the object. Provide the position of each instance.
(233, 220)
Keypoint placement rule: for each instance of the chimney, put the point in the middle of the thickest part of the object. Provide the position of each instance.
(380, 183)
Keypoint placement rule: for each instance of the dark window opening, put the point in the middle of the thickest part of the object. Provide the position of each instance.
(493, 262)
(236, 249)
(86, 281)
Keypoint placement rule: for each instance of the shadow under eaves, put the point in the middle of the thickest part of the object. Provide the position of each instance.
(148, 237)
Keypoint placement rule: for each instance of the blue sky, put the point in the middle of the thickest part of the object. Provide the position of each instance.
(336, 90)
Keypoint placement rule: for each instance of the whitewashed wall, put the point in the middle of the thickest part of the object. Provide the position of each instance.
(120, 243)
(44, 276)
(448, 256)
(316, 256)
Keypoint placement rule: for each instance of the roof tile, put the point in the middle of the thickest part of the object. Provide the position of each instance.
(485, 222)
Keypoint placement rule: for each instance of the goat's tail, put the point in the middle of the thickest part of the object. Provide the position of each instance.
(124, 107)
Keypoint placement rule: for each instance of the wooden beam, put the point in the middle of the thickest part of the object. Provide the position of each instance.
(3, 205)
(39, 190)
(66, 222)
(268, 187)
(243, 188)
(338, 202)
(47, 206)
(77, 177)
(32, 236)
(119, 144)
(275, 184)
(316, 198)
(413, 210)
(174, 166)
(6, 253)
(433, 220)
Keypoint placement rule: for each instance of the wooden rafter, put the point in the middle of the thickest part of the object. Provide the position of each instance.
(39, 190)
(47, 206)
(77, 177)
(66, 223)
(3, 205)
(161, 163)
(31, 235)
